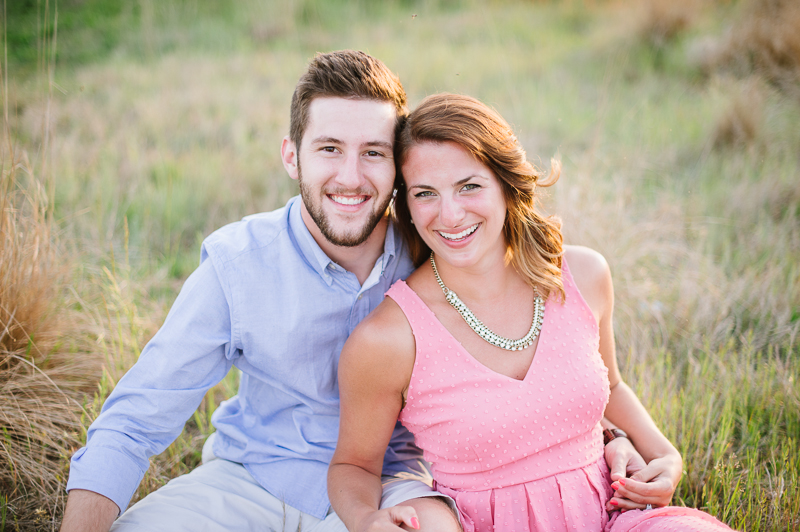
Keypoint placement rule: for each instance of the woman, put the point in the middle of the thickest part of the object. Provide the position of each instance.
(510, 427)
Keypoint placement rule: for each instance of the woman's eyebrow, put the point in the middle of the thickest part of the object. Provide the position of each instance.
(473, 176)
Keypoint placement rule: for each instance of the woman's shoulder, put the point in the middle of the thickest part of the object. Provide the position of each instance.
(592, 276)
(586, 262)
(384, 324)
(383, 343)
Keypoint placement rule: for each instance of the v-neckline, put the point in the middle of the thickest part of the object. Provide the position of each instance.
(471, 357)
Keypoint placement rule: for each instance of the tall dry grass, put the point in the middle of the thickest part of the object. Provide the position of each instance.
(763, 40)
(658, 22)
(42, 382)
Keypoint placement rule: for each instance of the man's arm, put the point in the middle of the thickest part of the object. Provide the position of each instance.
(88, 511)
(150, 404)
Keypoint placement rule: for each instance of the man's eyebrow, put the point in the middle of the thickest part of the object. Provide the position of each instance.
(326, 140)
(379, 144)
(368, 144)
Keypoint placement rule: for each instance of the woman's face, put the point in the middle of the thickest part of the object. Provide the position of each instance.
(456, 203)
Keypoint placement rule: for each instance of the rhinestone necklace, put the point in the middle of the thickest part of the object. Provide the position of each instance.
(482, 330)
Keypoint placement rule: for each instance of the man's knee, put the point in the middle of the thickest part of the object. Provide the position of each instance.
(435, 515)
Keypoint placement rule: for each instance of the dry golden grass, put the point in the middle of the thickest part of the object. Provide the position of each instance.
(764, 40)
(741, 122)
(660, 21)
(40, 379)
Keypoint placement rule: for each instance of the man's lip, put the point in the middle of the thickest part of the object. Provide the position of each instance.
(349, 200)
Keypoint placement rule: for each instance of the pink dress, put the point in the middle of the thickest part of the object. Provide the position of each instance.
(522, 455)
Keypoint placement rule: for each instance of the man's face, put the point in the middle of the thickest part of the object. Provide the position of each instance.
(345, 166)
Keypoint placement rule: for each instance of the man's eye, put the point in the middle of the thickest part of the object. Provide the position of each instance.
(373, 153)
(329, 149)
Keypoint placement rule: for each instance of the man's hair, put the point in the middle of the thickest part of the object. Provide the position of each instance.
(534, 242)
(348, 74)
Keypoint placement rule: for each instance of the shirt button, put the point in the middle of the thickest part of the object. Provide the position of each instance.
(360, 296)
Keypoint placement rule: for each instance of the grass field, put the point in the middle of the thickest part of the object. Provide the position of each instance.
(133, 130)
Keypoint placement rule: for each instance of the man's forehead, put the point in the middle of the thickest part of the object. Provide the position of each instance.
(326, 115)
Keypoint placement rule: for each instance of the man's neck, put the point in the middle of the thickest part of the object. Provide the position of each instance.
(356, 259)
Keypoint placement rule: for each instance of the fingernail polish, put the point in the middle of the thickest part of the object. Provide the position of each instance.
(621, 481)
(615, 486)
(414, 523)
(615, 503)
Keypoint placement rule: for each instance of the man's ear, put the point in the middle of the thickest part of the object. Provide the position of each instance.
(289, 157)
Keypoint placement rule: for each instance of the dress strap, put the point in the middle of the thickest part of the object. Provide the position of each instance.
(417, 313)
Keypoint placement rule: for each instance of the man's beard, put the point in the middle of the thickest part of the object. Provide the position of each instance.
(321, 219)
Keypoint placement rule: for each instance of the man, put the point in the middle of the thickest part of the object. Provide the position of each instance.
(276, 294)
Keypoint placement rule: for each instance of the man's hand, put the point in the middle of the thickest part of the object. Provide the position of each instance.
(390, 520)
(637, 484)
(88, 511)
(622, 458)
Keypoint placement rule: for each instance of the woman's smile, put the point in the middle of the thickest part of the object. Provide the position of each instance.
(459, 236)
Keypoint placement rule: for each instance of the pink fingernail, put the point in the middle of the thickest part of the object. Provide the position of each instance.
(615, 486)
(414, 523)
(621, 481)
(615, 503)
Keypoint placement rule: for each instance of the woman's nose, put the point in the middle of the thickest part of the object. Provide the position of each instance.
(452, 213)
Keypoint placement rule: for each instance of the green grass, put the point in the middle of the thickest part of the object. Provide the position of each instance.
(165, 121)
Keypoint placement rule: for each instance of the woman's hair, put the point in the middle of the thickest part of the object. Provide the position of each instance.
(534, 242)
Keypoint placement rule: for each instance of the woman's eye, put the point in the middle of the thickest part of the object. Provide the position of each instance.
(470, 186)
(423, 194)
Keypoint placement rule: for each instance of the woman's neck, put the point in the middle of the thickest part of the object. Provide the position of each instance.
(486, 280)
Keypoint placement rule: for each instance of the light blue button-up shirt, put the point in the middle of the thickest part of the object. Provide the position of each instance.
(267, 300)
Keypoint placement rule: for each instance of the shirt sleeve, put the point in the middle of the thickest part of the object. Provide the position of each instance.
(146, 411)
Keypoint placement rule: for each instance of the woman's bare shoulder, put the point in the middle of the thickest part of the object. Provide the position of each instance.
(592, 276)
(586, 263)
(382, 344)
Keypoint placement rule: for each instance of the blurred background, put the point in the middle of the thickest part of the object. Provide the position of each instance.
(132, 130)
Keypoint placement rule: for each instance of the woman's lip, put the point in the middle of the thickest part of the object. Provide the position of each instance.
(460, 235)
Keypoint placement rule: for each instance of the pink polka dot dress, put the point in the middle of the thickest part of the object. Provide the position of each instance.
(522, 455)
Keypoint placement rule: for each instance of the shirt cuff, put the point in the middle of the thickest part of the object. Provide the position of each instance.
(105, 471)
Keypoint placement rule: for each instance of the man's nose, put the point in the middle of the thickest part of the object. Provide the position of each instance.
(350, 175)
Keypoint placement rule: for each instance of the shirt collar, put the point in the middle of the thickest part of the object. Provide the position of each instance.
(317, 258)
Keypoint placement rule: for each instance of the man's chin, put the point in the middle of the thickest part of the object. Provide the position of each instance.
(346, 240)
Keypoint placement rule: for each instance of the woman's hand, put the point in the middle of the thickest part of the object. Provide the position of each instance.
(389, 520)
(653, 484)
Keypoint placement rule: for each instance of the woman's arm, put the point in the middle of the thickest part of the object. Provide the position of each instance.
(374, 372)
(656, 482)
